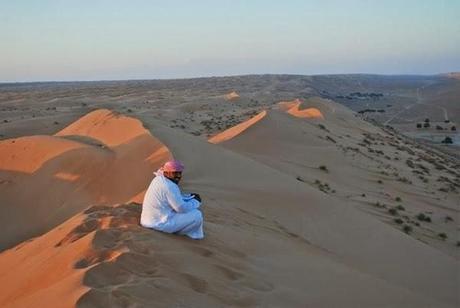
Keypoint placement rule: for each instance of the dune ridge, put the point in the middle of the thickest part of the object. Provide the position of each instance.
(297, 109)
(46, 179)
(237, 129)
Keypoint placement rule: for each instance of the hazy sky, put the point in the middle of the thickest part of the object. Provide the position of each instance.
(93, 40)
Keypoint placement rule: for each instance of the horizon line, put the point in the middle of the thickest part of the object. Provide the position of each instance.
(223, 76)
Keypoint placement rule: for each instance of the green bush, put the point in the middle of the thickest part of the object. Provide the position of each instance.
(407, 229)
(423, 217)
(448, 218)
(442, 236)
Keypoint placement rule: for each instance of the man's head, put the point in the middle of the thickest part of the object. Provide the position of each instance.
(173, 170)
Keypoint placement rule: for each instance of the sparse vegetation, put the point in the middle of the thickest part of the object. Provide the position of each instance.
(407, 229)
(324, 187)
(442, 236)
(448, 218)
(423, 217)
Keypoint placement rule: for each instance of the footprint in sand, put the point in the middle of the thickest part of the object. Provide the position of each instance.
(80, 231)
(106, 274)
(197, 284)
(229, 273)
(107, 238)
(202, 251)
(243, 280)
(138, 264)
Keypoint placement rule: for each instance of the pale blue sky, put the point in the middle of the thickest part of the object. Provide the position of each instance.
(92, 40)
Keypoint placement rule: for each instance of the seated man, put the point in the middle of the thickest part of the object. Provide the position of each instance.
(166, 209)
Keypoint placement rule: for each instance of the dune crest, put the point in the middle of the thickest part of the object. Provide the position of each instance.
(46, 179)
(237, 129)
(232, 96)
(294, 108)
(28, 154)
(106, 126)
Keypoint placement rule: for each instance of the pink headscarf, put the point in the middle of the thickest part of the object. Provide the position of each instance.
(172, 165)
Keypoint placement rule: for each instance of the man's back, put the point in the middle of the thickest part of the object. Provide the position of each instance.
(155, 208)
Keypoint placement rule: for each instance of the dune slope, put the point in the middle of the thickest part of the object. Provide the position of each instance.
(47, 179)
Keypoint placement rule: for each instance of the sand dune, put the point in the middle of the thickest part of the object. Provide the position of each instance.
(295, 108)
(273, 238)
(46, 179)
(237, 129)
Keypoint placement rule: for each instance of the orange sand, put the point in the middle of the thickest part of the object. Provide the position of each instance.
(293, 108)
(49, 178)
(237, 129)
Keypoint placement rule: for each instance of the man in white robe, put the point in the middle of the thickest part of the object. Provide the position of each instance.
(166, 209)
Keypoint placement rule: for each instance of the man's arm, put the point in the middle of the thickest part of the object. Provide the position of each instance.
(176, 201)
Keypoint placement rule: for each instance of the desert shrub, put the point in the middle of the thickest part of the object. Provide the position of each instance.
(399, 221)
(410, 163)
(404, 180)
(400, 208)
(393, 211)
(447, 140)
(323, 168)
(380, 181)
(442, 236)
(407, 229)
(419, 125)
(298, 178)
(423, 217)
(448, 218)
(398, 199)
(453, 128)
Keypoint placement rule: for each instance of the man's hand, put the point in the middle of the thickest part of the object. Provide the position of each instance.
(196, 196)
